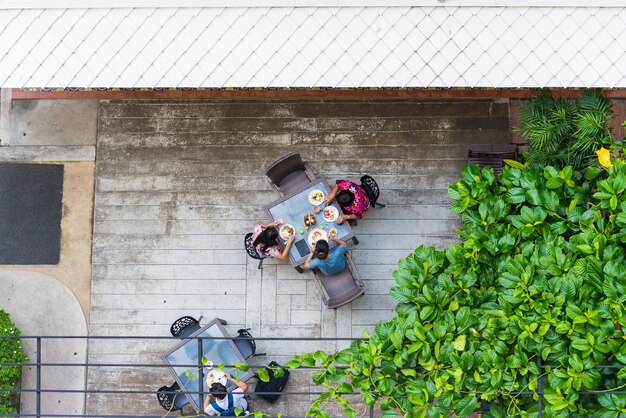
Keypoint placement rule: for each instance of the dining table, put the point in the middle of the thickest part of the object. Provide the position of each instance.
(185, 360)
(292, 209)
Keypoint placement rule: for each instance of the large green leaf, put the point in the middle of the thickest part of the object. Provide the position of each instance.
(466, 406)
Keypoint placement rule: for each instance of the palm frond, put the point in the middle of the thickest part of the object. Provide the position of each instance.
(593, 101)
(592, 124)
(546, 121)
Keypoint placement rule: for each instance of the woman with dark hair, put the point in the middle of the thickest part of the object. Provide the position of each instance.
(221, 403)
(265, 240)
(351, 197)
(328, 262)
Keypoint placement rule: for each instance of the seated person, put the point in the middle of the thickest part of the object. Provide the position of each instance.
(351, 197)
(217, 403)
(265, 240)
(328, 262)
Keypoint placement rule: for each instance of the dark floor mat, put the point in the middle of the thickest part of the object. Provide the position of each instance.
(30, 213)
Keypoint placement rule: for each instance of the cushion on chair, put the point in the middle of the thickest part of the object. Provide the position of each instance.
(294, 181)
(345, 297)
(284, 166)
(341, 288)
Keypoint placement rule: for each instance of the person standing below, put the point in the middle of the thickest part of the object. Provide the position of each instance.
(351, 197)
(218, 403)
(328, 262)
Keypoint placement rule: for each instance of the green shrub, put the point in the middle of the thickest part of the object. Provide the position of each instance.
(564, 131)
(534, 295)
(10, 352)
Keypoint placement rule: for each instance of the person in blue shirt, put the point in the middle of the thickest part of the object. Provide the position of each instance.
(326, 261)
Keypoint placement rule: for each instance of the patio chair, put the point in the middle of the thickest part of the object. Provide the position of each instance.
(371, 189)
(341, 288)
(289, 174)
(493, 159)
(184, 326)
(252, 252)
(171, 398)
(246, 344)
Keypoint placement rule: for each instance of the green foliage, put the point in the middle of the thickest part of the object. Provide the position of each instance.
(10, 352)
(534, 294)
(563, 132)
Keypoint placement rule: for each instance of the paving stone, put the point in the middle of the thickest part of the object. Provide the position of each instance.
(344, 321)
(298, 301)
(371, 316)
(290, 287)
(268, 296)
(329, 323)
(253, 290)
(374, 301)
(304, 317)
(313, 298)
(283, 309)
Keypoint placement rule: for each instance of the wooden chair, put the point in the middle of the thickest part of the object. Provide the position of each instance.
(341, 288)
(493, 159)
(289, 174)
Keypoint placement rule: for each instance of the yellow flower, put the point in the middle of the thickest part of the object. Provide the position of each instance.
(604, 157)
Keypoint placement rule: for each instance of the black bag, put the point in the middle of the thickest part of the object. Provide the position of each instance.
(276, 384)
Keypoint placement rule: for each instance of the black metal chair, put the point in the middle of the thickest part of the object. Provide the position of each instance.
(252, 252)
(184, 326)
(246, 344)
(171, 398)
(371, 189)
(289, 173)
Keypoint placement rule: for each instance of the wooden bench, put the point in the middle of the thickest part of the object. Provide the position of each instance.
(493, 159)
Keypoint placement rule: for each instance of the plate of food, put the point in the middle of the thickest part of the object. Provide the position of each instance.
(316, 197)
(332, 232)
(316, 235)
(286, 231)
(215, 376)
(330, 214)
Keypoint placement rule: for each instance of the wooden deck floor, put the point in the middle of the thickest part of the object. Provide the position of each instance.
(178, 184)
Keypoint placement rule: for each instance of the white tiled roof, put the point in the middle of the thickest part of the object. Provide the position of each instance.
(313, 46)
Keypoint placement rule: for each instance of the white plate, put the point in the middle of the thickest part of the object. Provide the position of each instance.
(330, 214)
(214, 375)
(316, 197)
(284, 231)
(316, 235)
(332, 232)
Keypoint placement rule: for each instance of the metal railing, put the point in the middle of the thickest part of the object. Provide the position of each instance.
(40, 366)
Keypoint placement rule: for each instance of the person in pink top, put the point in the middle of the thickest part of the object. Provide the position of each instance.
(351, 197)
(265, 239)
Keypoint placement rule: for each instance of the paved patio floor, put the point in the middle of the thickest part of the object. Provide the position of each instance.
(178, 184)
